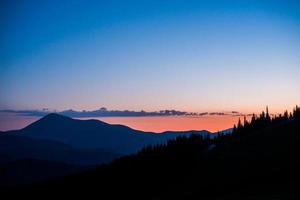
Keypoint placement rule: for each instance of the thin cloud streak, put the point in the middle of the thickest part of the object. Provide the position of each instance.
(104, 112)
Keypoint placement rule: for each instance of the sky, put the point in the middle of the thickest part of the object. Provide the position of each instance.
(150, 55)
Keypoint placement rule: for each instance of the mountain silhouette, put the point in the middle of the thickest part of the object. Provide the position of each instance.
(75, 145)
(91, 134)
(260, 160)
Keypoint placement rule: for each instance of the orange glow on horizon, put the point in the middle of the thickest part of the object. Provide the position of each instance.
(211, 123)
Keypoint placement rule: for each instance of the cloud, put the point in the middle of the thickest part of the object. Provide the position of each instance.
(104, 112)
(217, 113)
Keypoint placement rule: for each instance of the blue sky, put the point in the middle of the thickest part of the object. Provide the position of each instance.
(151, 55)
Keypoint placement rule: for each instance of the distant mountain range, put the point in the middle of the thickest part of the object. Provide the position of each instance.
(61, 140)
(94, 134)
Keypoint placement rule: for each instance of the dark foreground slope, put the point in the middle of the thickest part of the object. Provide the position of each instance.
(27, 171)
(258, 162)
(15, 147)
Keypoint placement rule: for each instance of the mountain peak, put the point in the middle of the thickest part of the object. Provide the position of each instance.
(55, 116)
(50, 121)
